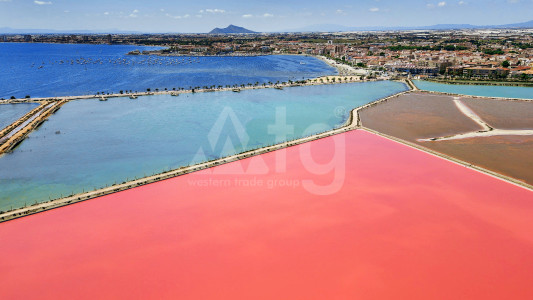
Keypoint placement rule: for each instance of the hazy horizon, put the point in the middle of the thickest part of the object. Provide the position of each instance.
(160, 16)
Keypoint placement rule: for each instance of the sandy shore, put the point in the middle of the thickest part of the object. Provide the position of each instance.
(344, 70)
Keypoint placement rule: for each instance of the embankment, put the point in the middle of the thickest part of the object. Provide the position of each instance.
(20, 131)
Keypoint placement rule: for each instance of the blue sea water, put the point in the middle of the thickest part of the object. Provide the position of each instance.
(477, 90)
(48, 70)
(100, 143)
(9, 113)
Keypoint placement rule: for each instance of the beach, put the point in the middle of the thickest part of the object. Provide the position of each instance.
(343, 69)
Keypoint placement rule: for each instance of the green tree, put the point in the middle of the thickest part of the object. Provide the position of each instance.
(505, 64)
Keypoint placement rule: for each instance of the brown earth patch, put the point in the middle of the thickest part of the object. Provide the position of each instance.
(422, 115)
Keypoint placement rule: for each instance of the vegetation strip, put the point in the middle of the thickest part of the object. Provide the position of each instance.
(333, 79)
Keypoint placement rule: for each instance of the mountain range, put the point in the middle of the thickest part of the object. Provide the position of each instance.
(339, 28)
(230, 29)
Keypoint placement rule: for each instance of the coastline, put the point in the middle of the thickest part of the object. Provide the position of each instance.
(342, 69)
(307, 82)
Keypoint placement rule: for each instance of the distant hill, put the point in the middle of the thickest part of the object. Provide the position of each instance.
(336, 28)
(230, 29)
(517, 25)
(468, 26)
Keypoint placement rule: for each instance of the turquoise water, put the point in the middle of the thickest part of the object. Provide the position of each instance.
(49, 70)
(477, 90)
(9, 113)
(101, 143)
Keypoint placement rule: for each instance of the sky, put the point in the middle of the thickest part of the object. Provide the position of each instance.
(267, 15)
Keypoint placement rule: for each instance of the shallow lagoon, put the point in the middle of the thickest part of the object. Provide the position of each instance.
(100, 143)
(9, 113)
(477, 90)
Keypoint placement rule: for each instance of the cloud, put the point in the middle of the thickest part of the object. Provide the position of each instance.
(212, 11)
(462, 3)
(134, 13)
(374, 9)
(265, 15)
(106, 13)
(441, 4)
(339, 11)
(42, 2)
(178, 17)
